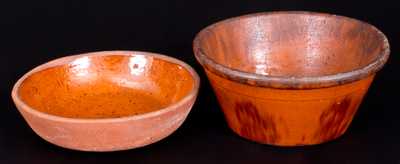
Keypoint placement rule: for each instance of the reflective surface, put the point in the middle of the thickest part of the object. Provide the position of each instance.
(292, 44)
(106, 86)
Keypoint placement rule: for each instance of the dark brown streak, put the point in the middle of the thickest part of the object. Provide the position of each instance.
(254, 126)
(334, 121)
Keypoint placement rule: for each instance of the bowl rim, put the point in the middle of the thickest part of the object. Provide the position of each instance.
(291, 82)
(192, 94)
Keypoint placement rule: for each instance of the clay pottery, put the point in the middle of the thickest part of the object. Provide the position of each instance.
(107, 101)
(290, 78)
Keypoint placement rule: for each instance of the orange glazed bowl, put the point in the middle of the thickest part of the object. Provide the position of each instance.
(107, 101)
(290, 78)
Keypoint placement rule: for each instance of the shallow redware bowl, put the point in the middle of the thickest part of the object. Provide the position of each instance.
(290, 78)
(107, 101)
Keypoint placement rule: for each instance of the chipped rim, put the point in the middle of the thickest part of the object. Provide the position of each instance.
(65, 60)
(290, 82)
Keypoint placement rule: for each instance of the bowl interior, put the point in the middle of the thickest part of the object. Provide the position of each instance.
(292, 44)
(106, 86)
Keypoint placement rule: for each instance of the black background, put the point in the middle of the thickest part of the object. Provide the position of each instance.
(34, 32)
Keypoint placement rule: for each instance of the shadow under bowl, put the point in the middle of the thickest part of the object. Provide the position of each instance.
(290, 78)
(107, 101)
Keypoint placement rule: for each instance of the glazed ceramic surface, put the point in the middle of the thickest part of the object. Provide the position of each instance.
(290, 78)
(106, 101)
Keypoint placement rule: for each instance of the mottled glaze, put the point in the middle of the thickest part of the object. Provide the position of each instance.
(107, 101)
(290, 78)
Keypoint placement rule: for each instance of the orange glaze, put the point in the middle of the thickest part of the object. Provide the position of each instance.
(106, 86)
(288, 117)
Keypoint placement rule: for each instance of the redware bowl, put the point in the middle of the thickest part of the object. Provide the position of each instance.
(290, 78)
(107, 101)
